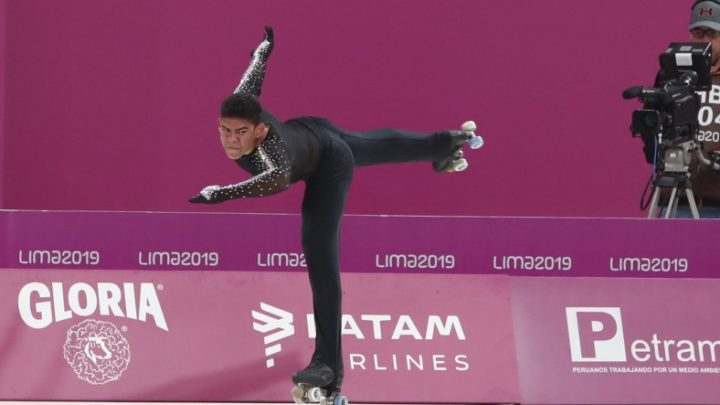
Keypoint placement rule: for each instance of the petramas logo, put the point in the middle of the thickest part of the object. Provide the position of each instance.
(598, 334)
(276, 324)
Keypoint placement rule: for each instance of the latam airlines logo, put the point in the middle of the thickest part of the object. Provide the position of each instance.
(95, 350)
(277, 324)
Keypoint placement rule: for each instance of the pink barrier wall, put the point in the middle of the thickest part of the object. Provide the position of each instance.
(537, 247)
(591, 312)
(239, 336)
(111, 105)
(2, 102)
(612, 341)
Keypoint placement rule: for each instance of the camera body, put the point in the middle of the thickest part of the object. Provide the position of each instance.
(670, 109)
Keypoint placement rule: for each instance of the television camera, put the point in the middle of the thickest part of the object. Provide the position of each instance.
(668, 123)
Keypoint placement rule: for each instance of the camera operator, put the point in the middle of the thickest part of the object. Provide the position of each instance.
(705, 27)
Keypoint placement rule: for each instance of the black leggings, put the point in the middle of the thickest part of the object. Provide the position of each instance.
(322, 210)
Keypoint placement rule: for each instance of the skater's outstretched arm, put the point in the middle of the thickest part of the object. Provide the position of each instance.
(273, 177)
(252, 79)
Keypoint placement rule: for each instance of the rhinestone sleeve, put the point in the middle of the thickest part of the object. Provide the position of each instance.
(252, 80)
(271, 163)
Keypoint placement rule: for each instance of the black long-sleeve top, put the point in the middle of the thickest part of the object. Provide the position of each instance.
(290, 152)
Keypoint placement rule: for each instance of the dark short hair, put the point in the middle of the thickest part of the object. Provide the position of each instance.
(244, 106)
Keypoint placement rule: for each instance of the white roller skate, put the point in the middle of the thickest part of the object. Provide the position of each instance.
(457, 162)
(317, 384)
(311, 394)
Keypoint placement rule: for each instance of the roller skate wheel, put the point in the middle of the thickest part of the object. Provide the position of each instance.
(459, 165)
(341, 400)
(469, 126)
(298, 393)
(476, 142)
(314, 394)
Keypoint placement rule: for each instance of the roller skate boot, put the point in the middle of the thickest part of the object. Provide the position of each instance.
(317, 384)
(456, 162)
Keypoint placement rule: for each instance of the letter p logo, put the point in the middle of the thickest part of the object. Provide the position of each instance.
(596, 334)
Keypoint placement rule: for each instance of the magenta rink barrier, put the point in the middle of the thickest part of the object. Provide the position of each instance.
(376, 244)
(533, 310)
(238, 336)
(610, 341)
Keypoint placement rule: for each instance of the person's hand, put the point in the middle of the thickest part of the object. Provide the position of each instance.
(715, 159)
(208, 195)
(266, 46)
(269, 35)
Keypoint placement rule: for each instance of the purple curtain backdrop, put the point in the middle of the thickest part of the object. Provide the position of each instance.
(111, 105)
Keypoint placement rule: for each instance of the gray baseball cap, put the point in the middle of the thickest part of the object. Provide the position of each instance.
(705, 14)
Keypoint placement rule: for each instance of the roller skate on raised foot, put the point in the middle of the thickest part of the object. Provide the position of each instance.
(457, 162)
(317, 384)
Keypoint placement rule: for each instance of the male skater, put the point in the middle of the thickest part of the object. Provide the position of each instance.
(314, 150)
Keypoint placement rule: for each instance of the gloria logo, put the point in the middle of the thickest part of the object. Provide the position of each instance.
(40, 305)
(96, 350)
(596, 334)
(276, 324)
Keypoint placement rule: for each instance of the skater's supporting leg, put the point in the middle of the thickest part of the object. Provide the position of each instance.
(322, 210)
(316, 374)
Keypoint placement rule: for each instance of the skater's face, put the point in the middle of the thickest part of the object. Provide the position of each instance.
(240, 137)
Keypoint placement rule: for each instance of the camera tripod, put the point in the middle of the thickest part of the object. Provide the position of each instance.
(676, 178)
(676, 182)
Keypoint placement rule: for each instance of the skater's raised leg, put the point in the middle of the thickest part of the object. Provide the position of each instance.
(391, 145)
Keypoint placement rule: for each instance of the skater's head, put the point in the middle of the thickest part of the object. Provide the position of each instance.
(245, 106)
(705, 25)
(241, 130)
